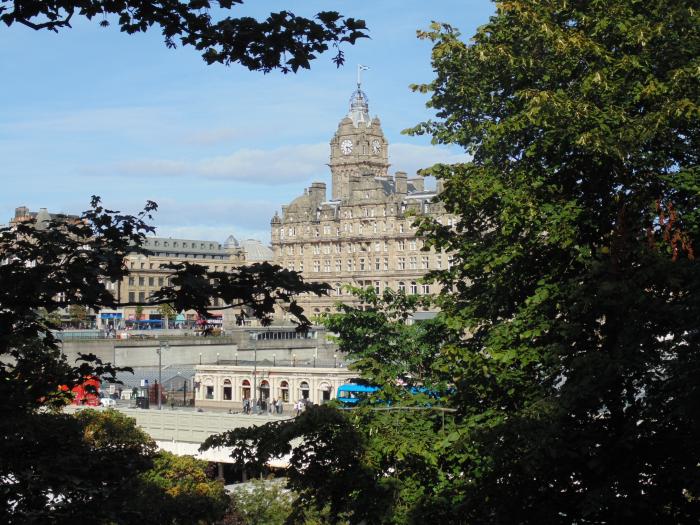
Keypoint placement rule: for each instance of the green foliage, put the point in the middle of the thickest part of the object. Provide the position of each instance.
(56, 475)
(569, 328)
(77, 313)
(575, 280)
(262, 502)
(167, 311)
(177, 490)
(282, 41)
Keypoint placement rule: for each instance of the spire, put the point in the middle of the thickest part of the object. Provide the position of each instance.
(359, 103)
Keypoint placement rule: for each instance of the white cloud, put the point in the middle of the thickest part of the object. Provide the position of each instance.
(284, 165)
(411, 157)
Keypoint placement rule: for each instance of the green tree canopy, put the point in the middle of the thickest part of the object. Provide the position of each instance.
(51, 266)
(282, 41)
(574, 289)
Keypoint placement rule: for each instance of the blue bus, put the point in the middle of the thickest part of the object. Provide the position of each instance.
(352, 393)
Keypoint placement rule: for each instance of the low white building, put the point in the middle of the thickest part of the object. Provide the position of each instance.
(226, 386)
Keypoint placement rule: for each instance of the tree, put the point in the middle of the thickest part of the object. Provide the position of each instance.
(77, 314)
(282, 41)
(574, 288)
(167, 311)
(65, 263)
(379, 461)
(575, 276)
(177, 490)
(262, 502)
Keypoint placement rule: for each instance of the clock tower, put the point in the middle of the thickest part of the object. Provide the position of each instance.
(358, 148)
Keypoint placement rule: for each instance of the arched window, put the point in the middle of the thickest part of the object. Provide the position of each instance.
(245, 389)
(414, 288)
(284, 391)
(264, 390)
(325, 389)
(402, 286)
(227, 390)
(304, 390)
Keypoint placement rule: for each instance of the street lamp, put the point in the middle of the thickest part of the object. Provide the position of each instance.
(294, 360)
(200, 358)
(236, 358)
(274, 360)
(217, 358)
(335, 360)
(164, 345)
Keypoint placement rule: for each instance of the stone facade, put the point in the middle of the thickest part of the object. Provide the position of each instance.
(364, 235)
(226, 386)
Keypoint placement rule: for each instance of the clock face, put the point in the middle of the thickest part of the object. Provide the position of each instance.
(346, 147)
(376, 146)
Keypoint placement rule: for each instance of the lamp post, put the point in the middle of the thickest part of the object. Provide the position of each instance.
(236, 358)
(335, 360)
(217, 358)
(274, 360)
(164, 345)
(200, 358)
(294, 360)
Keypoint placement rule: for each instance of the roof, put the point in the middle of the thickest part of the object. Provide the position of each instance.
(256, 251)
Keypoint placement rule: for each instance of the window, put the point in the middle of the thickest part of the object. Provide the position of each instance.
(301, 249)
(350, 264)
(317, 265)
(365, 210)
(376, 286)
(338, 265)
(327, 230)
(337, 248)
(317, 249)
(401, 263)
(377, 246)
(290, 250)
(362, 264)
(374, 227)
(132, 281)
(414, 288)
(210, 392)
(327, 265)
(400, 246)
(338, 289)
(426, 289)
(386, 263)
(151, 281)
(412, 245)
(413, 263)
(301, 266)
(142, 281)
(401, 227)
(132, 297)
(360, 228)
(143, 265)
(377, 263)
(402, 286)
(142, 296)
(284, 391)
(425, 262)
(438, 262)
(227, 390)
(326, 249)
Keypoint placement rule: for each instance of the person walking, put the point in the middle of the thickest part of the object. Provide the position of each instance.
(278, 408)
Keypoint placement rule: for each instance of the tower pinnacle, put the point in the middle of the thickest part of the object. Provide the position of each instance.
(359, 103)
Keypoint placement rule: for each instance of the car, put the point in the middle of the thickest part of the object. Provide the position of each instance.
(107, 402)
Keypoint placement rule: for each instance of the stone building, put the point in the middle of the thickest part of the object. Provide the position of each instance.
(363, 235)
(146, 275)
(226, 386)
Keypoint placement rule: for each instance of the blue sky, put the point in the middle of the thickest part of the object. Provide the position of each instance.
(93, 111)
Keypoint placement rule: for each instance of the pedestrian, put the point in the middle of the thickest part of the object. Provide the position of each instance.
(271, 406)
(297, 407)
(245, 405)
(279, 406)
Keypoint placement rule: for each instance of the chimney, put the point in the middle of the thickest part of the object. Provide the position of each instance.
(400, 182)
(418, 183)
(318, 190)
